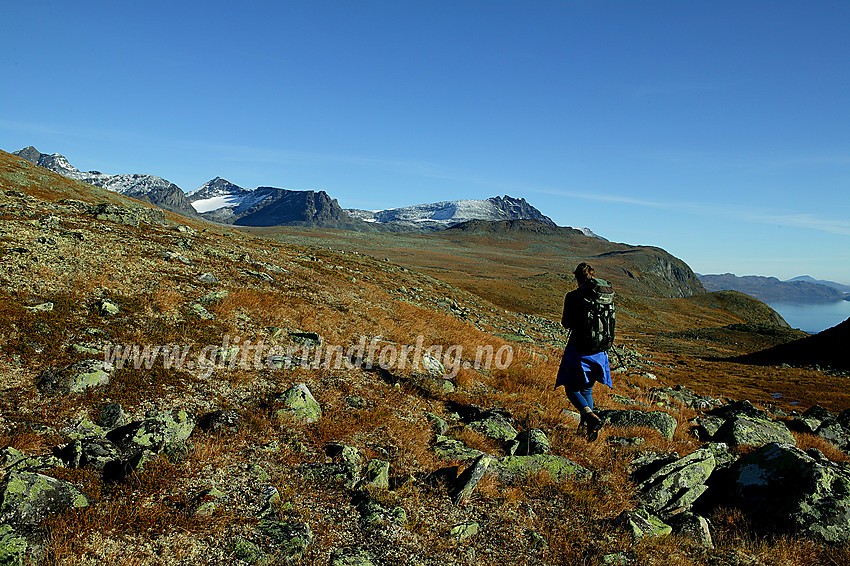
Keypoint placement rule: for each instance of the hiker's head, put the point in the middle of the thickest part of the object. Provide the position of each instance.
(583, 273)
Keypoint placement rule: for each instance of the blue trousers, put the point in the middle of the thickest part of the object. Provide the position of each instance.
(582, 397)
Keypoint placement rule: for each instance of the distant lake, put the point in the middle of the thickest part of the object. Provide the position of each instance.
(813, 317)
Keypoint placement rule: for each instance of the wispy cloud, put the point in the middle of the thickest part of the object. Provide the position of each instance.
(810, 221)
(729, 212)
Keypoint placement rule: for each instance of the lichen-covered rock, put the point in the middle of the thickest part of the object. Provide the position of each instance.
(289, 539)
(93, 452)
(13, 459)
(377, 474)
(783, 489)
(298, 402)
(470, 477)
(678, 484)
(455, 450)
(642, 524)
(154, 433)
(663, 422)
(374, 514)
(75, 378)
(516, 468)
(108, 308)
(692, 527)
(13, 547)
(111, 416)
(494, 426)
(465, 530)
(28, 497)
(532, 442)
(753, 431)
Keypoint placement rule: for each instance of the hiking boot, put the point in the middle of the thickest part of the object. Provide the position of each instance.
(594, 425)
(582, 426)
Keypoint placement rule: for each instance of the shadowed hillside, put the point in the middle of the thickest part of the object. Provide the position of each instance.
(828, 349)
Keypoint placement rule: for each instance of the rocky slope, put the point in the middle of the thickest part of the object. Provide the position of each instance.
(172, 394)
(147, 188)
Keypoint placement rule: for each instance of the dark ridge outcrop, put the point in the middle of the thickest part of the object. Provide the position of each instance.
(825, 349)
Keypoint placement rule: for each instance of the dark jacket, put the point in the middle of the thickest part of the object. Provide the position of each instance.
(575, 316)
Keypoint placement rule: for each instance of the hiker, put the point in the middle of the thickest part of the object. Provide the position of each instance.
(589, 316)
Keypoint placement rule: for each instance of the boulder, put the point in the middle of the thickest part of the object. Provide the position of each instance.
(495, 426)
(532, 442)
(377, 474)
(641, 524)
(13, 547)
(663, 422)
(470, 477)
(692, 527)
(289, 540)
(783, 489)
(455, 450)
(510, 469)
(155, 432)
(75, 378)
(678, 484)
(299, 403)
(29, 497)
(465, 530)
(744, 429)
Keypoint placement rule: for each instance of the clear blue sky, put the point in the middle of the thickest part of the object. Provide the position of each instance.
(719, 131)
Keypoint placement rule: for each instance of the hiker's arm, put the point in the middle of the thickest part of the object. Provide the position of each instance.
(565, 321)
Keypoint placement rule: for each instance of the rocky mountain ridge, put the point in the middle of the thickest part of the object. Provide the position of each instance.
(219, 200)
(441, 215)
(147, 188)
(771, 289)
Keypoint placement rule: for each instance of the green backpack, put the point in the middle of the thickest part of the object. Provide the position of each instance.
(597, 322)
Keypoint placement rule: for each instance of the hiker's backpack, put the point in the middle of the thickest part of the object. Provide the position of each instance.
(596, 326)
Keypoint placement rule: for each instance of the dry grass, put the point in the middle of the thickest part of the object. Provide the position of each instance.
(574, 518)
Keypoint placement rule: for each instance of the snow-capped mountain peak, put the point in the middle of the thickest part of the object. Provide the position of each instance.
(448, 213)
(150, 188)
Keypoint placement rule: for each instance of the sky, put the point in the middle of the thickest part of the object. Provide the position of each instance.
(719, 131)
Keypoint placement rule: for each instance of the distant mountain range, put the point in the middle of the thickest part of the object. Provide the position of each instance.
(219, 200)
(149, 188)
(803, 289)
